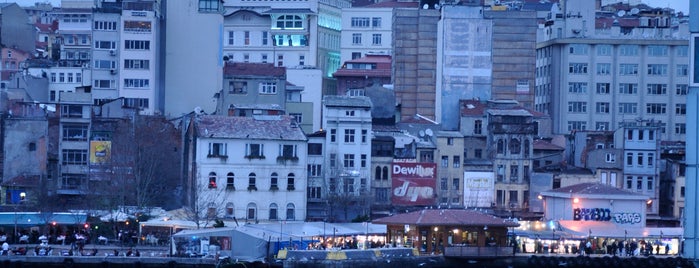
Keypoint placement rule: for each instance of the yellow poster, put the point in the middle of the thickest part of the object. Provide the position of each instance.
(100, 151)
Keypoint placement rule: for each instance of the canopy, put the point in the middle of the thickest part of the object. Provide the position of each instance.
(39, 218)
(584, 229)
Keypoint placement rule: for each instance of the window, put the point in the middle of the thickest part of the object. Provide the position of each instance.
(264, 58)
(333, 160)
(105, 45)
(302, 60)
(74, 157)
(252, 177)
(578, 49)
(105, 25)
(137, 44)
(577, 68)
(500, 147)
(61, 77)
(209, 5)
(450, 141)
(639, 159)
(349, 135)
(629, 182)
(682, 70)
(289, 22)
(680, 109)
(273, 211)
(629, 134)
(356, 55)
(628, 108)
(478, 127)
(649, 183)
(290, 184)
(231, 38)
(348, 185)
(280, 60)
(268, 88)
(78, 78)
(657, 69)
(362, 160)
(252, 208)
(602, 107)
(254, 150)
(455, 184)
(360, 22)
(656, 108)
(625, 88)
(577, 125)
(136, 83)
(577, 87)
(140, 103)
(657, 51)
(74, 132)
(445, 161)
(230, 181)
(104, 64)
(217, 149)
(315, 149)
(104, 84)
(137, 64)
(348, 160)
(314, 170)
(237, 87)
(603, 88)
(628, 50)
(274, 181)
(680, 128)
(356, 38)
(629, 159)
(577, 107)
(456, 161)
(657, 89)
(604, 50)
(650, 159)
(628, 69)
(500, 172)
(212, 180)
(681, 90)
(602, 125)
(265, 38)
(230, 210)
(349, 113)
(53, 77)
(313, 193)
(604, 68)
(288, 151)
(290, 212)
(376, 22)
(137, 26)
(444, 184)
(364, 135)
(610, 158)
(376, 39)
(682, 51)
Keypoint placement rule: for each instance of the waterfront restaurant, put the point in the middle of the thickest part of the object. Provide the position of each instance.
(604, 214)
(452, 232)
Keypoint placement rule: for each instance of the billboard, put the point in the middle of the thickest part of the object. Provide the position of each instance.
(413, 183)
(478, 189)
(100, 152)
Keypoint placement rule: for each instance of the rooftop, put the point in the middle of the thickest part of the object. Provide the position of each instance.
(236, 127)
(347, 101)
(246, 68)
(459, 217)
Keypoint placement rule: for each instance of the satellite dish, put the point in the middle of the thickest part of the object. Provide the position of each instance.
(621, 13)
(421, 133)
(634, 11)
(429, 132)
(425, 6)
(197, 110)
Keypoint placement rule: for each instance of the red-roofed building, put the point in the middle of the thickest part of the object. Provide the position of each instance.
(252, 88)
(453, 232)
(358, 74)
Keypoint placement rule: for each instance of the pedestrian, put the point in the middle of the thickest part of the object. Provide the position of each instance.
(667, 248)
(657, 249)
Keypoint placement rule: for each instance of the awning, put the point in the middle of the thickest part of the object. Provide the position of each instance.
(584, 229)
(38, 218)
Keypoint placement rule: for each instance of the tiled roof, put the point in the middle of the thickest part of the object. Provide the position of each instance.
(236, 127)
(45, 28)
(545, 145)
(476, 108)
(247, 68)
(594, 189)
(347, 101)
(472, 107)
(459, 217)
(363, 72)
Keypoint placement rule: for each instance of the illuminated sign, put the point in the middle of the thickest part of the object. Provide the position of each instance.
(413, 183)
(630, 217)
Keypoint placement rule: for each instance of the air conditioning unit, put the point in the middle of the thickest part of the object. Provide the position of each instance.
(113, 71)
(112, 52)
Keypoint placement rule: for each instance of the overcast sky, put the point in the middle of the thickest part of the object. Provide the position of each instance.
(679, 5)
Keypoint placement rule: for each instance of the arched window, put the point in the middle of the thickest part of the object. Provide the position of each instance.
(377, 175)
(230, 181)
(252, 211)
(230, 210)
(251, 181)
(274, 181)
(290, 212)
(289, 22)
(290, 182)
(273, 208)
(211, 210)
(515, 146)
(212, 180)
(501, 147)
(385, 173)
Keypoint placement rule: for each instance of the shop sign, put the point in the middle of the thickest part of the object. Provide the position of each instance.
(627, 217)
(592, 214)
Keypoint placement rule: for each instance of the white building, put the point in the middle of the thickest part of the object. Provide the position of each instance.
(347, 120)
(368, 30)
(255, 168)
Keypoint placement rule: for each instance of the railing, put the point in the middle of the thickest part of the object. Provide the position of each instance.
(473, 251)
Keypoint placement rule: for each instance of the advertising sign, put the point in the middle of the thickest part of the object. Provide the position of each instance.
(413, 184)
(478, 189)
(100, 152)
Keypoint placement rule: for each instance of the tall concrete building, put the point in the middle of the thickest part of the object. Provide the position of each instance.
(192, 55)
(595, 73)
(691, 217)
(17, 32)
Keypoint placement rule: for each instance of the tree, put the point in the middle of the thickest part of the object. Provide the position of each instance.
(207, 204)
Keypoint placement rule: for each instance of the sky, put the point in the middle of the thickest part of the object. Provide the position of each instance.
(678, 5)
